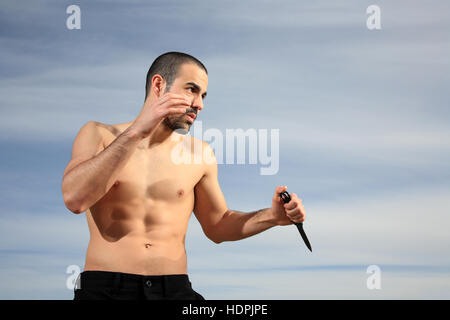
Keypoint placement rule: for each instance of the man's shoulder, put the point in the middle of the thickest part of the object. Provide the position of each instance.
(107, 130)
(205, 147)
(206, 153)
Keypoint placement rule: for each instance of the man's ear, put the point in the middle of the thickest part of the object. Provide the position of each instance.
(158, 85)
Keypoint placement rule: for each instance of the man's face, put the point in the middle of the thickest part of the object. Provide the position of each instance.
(192, 82)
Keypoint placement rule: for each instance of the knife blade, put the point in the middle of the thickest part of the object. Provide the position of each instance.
(286, 198)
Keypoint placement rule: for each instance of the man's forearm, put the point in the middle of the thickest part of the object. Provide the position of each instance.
(90, 180)
(236, 225)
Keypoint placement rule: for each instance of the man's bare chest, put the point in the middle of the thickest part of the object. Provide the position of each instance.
(155, 177)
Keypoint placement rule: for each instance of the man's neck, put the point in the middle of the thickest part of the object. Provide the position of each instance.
(163, 135)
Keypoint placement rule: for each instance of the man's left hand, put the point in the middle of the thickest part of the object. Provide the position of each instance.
(287, 213)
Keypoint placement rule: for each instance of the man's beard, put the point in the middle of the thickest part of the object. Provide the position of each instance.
(178, 124)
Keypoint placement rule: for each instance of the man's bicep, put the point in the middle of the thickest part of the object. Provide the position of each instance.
(210, 204)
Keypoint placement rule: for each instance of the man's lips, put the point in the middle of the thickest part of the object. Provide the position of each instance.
(192, 116)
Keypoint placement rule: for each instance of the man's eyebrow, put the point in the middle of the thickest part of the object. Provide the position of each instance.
(197, 87)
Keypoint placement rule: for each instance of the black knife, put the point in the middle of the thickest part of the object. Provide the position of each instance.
(286, 198)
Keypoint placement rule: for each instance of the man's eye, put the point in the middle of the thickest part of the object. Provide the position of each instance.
(191, 89)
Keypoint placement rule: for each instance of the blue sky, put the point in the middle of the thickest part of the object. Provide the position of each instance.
(364, 137)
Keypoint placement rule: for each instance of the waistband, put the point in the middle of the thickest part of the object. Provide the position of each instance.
(109, 279)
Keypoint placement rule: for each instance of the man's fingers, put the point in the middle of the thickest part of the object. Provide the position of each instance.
(290, 205)
(177, 106)
(170, 95)
(295, 215)
(175, 101)
(174, 110)
(279, 190)
(295, 202)
(170, 99)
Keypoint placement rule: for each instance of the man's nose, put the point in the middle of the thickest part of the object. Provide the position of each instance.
(198, 103)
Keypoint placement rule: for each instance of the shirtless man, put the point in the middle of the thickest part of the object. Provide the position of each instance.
(138, 201)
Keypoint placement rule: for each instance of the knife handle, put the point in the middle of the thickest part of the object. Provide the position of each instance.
(286, 198)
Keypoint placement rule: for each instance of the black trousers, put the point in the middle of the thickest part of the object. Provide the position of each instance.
(105, 285)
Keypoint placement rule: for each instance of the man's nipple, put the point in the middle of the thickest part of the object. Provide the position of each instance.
(180, 193)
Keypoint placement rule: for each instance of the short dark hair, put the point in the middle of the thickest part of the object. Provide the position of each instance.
(167, 65)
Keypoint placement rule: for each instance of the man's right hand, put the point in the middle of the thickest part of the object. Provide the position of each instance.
(154, 112)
